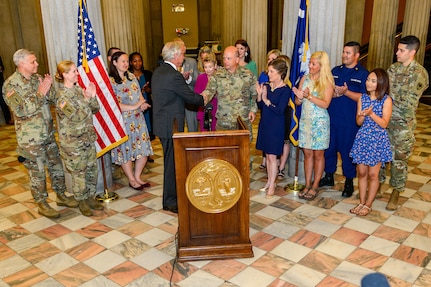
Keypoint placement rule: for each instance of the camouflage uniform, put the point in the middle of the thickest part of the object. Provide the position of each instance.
(35, 133)
(406, 87)
(77, 136)
(236, 95)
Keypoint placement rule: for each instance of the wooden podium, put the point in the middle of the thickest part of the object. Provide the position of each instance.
(213, 176)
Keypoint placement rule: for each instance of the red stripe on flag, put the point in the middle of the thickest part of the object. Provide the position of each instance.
(102, 121)
(105, 127)
(106, 80)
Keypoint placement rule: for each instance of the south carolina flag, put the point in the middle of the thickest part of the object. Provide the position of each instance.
(299, 66)
(108, 122)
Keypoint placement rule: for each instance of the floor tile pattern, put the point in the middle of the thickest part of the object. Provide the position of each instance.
(295, 243)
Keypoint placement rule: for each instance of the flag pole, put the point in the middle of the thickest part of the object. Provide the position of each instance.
(296, 186)
(300, 55)
(106, 196)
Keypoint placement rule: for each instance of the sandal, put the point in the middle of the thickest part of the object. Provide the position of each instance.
(364, 210)
(309, 197)
(262, 166)
(356, 209)
(304, 192)
(280, 174)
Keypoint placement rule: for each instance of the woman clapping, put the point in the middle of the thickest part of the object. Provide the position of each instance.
(138, 147)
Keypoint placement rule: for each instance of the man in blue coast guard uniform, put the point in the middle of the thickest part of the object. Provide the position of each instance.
(350, 80)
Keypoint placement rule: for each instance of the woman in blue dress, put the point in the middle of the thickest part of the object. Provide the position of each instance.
(138, 147)
(314, 94)
(371, 148)
(272, 100)
(263, 78)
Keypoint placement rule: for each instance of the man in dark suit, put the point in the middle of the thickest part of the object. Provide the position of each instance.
(170, 94)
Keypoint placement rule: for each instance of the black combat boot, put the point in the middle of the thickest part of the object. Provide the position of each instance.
(327, 180)
(348, 188)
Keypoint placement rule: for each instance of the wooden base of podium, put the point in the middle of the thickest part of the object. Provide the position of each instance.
(215, 252)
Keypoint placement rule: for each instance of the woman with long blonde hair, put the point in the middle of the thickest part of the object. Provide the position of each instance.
(314, 94)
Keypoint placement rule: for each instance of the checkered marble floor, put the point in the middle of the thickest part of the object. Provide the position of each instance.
(295, 243)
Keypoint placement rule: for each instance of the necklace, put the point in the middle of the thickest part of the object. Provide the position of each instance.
(278, 86)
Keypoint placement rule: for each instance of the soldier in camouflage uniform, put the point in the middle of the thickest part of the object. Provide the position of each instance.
(28, 95)
(236, 93)
(408, 80)
(75, 108)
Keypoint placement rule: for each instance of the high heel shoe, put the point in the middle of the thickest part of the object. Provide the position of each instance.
(140, 187)
(269, 196)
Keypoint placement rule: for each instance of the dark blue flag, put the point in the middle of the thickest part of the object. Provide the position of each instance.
(299, 65)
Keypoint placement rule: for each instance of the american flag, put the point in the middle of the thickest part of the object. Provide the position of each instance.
(108, 122)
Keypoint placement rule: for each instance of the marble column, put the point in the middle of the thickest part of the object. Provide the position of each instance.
(254, 12)
(232, 22)
(326, 22)
(60, 20)
(416, 20)
(355, 11)
(290, 19)
(382, 36)
(124, 23)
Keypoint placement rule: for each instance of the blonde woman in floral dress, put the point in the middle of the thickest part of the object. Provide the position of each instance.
(138, 147)
(314, 94)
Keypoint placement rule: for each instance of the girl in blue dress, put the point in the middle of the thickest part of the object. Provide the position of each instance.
(371, 148)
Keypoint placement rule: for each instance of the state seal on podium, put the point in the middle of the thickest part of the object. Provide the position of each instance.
(213, 186)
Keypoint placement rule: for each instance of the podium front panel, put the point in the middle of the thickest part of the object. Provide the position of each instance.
(207, 235)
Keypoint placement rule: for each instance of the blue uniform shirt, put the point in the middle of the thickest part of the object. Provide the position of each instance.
(342, 110)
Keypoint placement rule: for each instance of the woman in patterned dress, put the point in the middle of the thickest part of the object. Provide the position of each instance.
(138, 147)
(314, 94)
(371, 148)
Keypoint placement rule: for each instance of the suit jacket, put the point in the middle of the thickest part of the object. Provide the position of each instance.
(170, 93)
(191, 64)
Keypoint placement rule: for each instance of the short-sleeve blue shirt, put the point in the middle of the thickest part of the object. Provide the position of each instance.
(342, 110)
